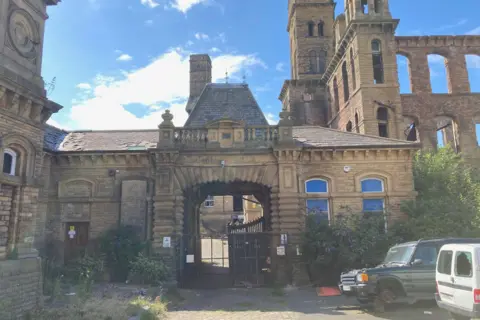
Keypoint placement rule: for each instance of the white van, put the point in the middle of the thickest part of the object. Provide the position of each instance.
(458, 280)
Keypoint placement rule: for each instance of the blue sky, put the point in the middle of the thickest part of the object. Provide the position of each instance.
(119, 64)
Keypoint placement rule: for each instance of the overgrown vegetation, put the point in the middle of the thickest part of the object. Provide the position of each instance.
(448, 205)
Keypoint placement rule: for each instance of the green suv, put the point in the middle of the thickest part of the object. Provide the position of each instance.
(406, 275)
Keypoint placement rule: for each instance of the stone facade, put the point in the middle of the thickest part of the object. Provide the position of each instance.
(158, 180)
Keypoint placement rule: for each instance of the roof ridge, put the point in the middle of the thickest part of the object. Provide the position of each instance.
(358, 134)
(113, 130)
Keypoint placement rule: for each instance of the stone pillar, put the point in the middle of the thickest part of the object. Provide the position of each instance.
(166, 131)
(419, 73)
(27, 210)
(457, 74)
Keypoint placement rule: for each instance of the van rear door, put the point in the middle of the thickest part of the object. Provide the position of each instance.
(444, 275)
(464, 278)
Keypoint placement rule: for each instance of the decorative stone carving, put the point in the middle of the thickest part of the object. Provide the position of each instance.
(14, 107)
(76, 189)
(23, 33)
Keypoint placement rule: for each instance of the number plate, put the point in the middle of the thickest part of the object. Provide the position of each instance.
(347, 288)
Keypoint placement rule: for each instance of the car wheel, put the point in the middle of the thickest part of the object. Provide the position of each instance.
(458, 317)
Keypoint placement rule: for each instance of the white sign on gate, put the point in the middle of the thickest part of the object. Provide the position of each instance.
(190, 258)
(167, 242)
(281, 251)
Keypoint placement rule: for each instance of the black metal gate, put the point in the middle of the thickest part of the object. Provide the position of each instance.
(240, 258)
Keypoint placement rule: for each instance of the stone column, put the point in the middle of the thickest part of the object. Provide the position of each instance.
(457, 74)
(419, 73)
(27, 210)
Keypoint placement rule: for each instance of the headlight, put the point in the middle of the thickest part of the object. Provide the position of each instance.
(362, 277)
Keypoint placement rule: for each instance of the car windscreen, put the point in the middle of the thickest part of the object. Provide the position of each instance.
(399, 254)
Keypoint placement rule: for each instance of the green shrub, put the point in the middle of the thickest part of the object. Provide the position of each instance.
(120, 247)
(147, 270)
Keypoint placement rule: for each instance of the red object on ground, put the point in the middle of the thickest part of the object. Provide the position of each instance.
(328, 291)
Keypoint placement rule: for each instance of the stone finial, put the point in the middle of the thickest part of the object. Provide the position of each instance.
(167, 120)
(285, 119)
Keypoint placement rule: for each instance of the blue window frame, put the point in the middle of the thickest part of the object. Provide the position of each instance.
(319, 209)
(373, 205)
(372, 185)
(316, 186)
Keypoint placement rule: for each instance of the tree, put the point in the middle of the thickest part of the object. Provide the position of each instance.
(448, 202)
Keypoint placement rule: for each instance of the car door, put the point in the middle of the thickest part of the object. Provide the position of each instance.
(463, 278)
(444, 275)
(423, 272)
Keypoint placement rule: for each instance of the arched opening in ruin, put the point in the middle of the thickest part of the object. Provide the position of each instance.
(473, 69)
(225, 239)
(438, 73)
(404, 74)
(447, 132)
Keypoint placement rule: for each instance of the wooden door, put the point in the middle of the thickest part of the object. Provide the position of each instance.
(76, 239)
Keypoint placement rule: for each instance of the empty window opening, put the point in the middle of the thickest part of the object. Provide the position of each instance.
(352, 65)
(311, 28)
(477, 131)
(320, 29)
(377, 6)
(473, 69)
(463, 264)
(312, 62)
(357, 127)
(365, 6)
(322, 58)
(349, 126)
(377, 59)
(447, 133)
(346, 91)
(9, 162)
(382, 118)
(335, 95)
(238, 203)
(403, 71)
(438, 73)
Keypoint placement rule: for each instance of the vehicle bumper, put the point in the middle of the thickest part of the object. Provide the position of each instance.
(361, 291)
(474, 313)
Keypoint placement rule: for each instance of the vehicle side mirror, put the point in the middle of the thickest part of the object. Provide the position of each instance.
(417, 262)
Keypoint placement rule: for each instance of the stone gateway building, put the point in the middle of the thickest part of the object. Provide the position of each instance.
(345, 141)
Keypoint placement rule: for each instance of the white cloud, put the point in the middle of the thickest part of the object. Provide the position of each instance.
(185, 5)
(57, 125)
(221, 37)
(215, 50)
(280, 67)
(435, 58)
(149, 22)
(150, 3)
(271, 118)
(201, 36)
(148, 87)
(125, 57)
(84, 86)
(475, 31)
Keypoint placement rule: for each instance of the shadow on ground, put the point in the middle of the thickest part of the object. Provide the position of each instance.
(301, 302)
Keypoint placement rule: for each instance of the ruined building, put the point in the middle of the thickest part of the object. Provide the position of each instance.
(341, 143)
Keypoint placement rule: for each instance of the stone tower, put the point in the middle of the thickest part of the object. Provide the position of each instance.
(200, 75)
(310, 26)
(363, 86)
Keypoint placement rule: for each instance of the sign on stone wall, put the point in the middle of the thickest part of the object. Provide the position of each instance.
(104, 187)
(75, 211)
(134, 205)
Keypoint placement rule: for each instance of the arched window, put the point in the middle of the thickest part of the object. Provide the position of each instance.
(9, 162)
(372, 185)
(374, 198)
(311, 27)
(335, 95)
(377, 60)
(312, 61)
(357, 128)
(320, 29)
(346, 91)
(317, 202)
(209, 202)
(382, 118)
(349, 126)
(352, 65)
(322, 58)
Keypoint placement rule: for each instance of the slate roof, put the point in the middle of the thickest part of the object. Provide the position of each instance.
(308, 136)
(226, 101)
(320, 137)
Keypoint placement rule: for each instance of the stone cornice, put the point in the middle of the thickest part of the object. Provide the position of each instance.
(105, 159)
(377, 155)
(297, 83)
(437, 41)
